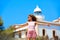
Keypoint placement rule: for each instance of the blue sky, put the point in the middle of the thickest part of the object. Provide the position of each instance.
(17, 11)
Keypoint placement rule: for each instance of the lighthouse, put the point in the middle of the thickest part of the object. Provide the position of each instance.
(40, 17)
(38, 14)
(40, 29)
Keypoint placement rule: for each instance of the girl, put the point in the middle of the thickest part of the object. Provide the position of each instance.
(32, 22)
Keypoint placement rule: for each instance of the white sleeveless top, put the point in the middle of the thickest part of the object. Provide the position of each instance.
(31, 25)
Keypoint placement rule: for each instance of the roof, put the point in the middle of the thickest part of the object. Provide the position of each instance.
(57, 20)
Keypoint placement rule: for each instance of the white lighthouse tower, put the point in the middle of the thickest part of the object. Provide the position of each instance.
(38, 14)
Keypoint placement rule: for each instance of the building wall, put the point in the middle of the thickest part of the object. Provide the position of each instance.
(39, 31)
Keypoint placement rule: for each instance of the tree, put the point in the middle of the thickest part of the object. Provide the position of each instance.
(7, 33)
(1, 22)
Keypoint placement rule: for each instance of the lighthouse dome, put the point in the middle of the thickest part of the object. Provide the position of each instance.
(37, 9)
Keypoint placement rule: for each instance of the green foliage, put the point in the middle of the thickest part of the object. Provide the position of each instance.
(9, 30)
(39, 38)
(8, 33)
(1, 21)
(42, 38)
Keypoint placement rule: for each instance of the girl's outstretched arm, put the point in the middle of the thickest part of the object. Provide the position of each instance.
(22, 25)
(48, 23)
(42, 23)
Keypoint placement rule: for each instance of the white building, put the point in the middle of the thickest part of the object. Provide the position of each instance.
(39, 28)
